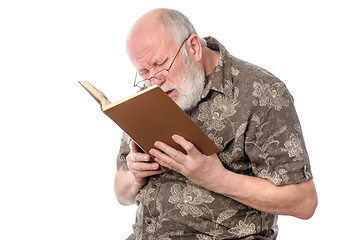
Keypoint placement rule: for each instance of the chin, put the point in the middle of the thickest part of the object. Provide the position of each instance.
(186, 104)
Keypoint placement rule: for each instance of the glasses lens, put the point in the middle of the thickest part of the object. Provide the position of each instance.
(161, 74)
(143, 84)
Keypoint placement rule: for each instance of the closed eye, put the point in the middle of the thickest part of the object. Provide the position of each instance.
(161, 63)
(143, 72)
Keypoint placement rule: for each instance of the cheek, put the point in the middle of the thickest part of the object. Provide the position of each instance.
(173, 79)
(178, 67)
(176, 76)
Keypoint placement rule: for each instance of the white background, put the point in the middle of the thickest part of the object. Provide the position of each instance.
(58, 150)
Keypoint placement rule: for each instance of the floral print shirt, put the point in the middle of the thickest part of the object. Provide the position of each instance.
(250, 116)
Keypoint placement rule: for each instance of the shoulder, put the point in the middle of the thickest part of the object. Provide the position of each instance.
(259, 85)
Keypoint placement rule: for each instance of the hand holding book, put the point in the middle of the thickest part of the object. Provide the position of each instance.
(150, 116)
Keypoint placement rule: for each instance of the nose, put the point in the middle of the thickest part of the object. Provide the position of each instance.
(158, 81)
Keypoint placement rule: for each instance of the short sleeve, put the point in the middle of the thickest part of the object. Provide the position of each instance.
(274, 141)
(123, 152)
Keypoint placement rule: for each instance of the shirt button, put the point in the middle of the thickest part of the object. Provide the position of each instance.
(149, 221)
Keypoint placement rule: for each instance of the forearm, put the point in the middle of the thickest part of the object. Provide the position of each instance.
(125, 187)
(299, 200)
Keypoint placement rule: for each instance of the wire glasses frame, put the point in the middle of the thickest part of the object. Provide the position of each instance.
(158, 75)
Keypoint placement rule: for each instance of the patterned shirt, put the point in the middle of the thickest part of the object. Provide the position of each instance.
(250, 115)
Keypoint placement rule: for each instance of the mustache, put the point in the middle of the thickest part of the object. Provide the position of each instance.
(168, 87)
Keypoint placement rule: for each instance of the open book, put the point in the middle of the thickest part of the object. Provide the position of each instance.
(149, 116)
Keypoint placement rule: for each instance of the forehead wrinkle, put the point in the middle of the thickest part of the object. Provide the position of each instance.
(145, 62)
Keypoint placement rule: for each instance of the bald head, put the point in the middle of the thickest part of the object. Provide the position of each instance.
(147, 23)
(148, 36)
(162, 23)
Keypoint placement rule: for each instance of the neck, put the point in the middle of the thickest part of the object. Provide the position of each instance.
(210, 60)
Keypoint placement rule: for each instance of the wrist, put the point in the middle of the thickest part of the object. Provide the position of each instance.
(136, 184)
(219, 182)
(226, 183)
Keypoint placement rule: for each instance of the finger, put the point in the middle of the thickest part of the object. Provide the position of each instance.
(145, 174)
(137, 158)
(133, 146)
(142, 166)
(188, 146)
(171, 152)
(136, 154)
(141, 162)
(164, 160)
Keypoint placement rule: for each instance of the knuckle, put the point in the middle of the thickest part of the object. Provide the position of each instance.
(168, 165)
(137, 166)
(200, 161)
(176, 154)
(129, 163)
(192, 169)
(130, 156)
(137, 174)
(188, 147)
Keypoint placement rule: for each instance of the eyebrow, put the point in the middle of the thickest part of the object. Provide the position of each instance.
(159, 60)
(156, 60)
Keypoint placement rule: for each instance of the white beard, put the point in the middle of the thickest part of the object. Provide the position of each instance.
(190, 87)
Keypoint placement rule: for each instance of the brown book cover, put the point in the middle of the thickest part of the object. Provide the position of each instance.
(150, 116)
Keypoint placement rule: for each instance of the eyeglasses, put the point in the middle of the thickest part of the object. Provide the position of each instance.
(144, 83)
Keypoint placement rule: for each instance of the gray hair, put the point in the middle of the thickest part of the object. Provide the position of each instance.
(178, 25)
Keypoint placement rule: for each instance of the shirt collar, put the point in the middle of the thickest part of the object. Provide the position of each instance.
(217, 79)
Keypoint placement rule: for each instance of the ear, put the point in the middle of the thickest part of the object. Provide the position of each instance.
(194, 48)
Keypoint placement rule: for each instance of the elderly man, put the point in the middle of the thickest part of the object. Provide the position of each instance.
(262, 169)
